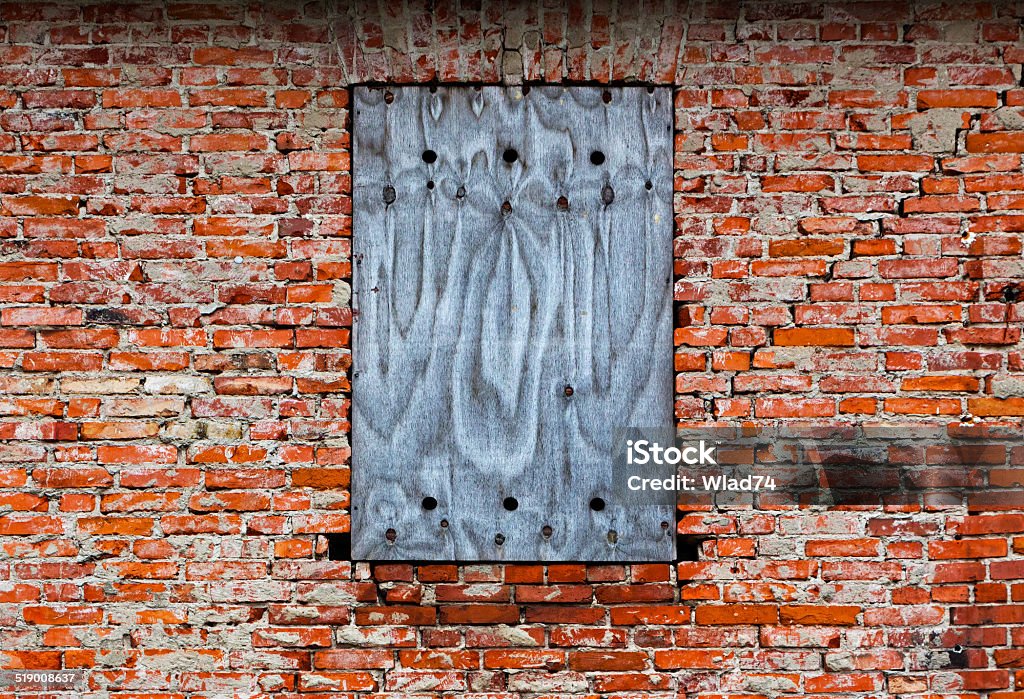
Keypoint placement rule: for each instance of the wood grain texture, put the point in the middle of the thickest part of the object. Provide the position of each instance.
(483, 288)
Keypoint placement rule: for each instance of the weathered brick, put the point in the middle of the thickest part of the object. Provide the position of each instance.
(176, 224)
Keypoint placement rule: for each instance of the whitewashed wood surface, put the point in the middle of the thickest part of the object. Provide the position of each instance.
(480, 297)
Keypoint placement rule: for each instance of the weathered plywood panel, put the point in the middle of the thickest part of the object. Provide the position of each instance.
(513, 309)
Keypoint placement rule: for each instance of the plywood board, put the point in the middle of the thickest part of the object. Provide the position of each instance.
(513, 297)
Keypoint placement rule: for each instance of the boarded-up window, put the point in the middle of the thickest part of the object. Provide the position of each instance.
(513, 296)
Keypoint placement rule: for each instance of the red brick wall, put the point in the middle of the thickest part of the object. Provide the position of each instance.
(174, 228)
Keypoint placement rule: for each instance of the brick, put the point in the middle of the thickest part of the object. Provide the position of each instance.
(941, 204)
(607, 660)
(411, 616)
(805, 247)
(479, 614)
(797, 183)
(794, 407)
(922, 406)
(62, 616)
(987, 524)
(61, 361)
(642, 615)
(931, 99)
(824, 337)
(141, 98)
(123, 526)
(994, 614)
(216, 55)
(971, 548)
(29, 525)
(895, 163)
(922, 615)
(920, 314)
(941, 383)
(911, 269)
(292, 637)
(353, 659)
(819, 615)
(137, 454)
(842, 548)
(252, 338)
(75, 477)
(1012, 142)
(524, 659)
(227, 97)
(846, 682)
(988, 407)
(736, 614)
(227, 142)
(691, 659)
